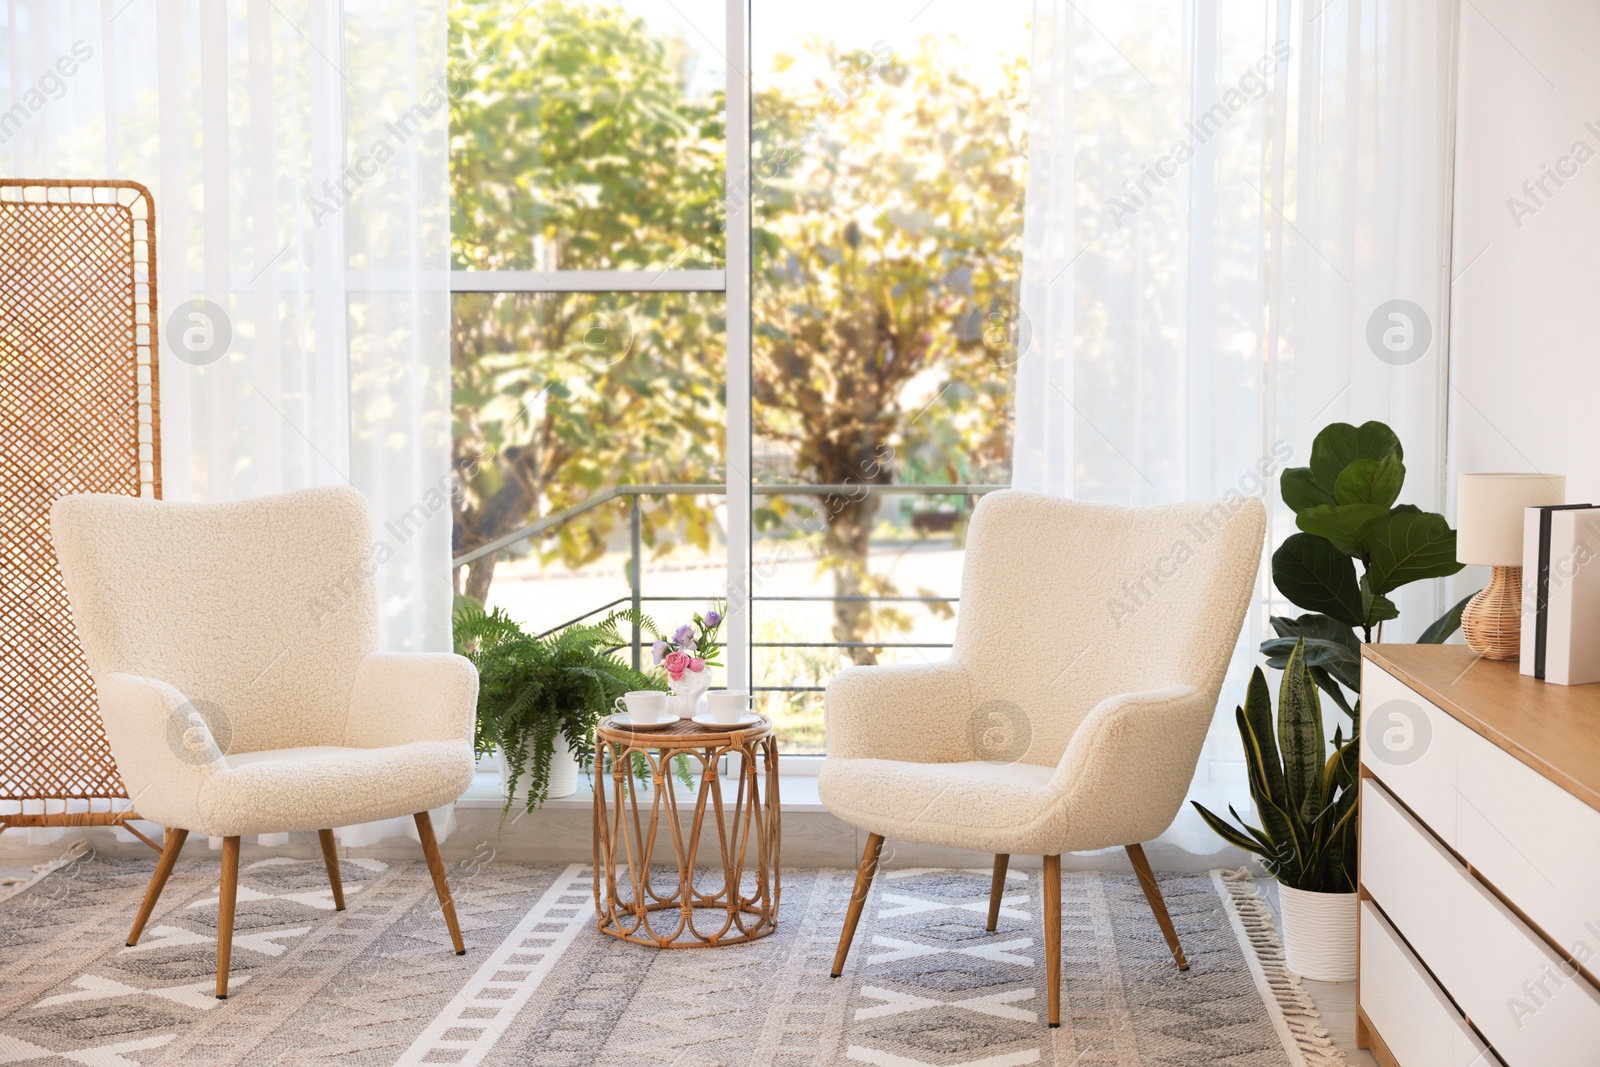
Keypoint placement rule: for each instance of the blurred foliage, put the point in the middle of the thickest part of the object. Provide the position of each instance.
(573, 145)
(543, 420)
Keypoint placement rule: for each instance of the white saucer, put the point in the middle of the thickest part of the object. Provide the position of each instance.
(627, 723)
(705, 719)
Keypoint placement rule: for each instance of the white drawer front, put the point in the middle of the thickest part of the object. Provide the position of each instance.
(1534, 842)
(1410, 876)
(1416, 1021)
(1411, 746)
(1505, 979)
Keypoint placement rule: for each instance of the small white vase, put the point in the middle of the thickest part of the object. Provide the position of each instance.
(1319, 934)
(687, 691)
(563, 780)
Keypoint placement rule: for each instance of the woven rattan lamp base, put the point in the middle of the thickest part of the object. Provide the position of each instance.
(1491, 623)
(78, 414)
(733, 902)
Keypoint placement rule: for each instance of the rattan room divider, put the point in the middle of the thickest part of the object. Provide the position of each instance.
(78, 413)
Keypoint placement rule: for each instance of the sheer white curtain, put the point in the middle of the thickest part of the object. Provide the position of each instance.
(297, 153)
(1220, 197)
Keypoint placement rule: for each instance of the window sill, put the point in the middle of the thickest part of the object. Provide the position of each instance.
(797, 792)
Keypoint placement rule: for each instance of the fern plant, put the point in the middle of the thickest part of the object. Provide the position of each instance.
(534, 691)
(1306, 800)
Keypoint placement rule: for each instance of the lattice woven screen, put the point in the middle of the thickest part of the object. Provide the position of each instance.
(78, 413)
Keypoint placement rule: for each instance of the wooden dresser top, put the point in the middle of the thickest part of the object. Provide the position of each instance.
(1555, 729)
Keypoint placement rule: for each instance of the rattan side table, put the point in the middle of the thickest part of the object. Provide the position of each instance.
(627, 899)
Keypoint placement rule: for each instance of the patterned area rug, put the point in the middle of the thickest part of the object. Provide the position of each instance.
(378, 984)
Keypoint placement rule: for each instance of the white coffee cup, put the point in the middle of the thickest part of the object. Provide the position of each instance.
(727, 706)
(644, 705)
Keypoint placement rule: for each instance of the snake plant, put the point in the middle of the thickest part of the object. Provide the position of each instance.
(1305, 797)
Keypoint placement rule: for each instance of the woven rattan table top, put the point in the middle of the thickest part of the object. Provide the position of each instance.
(682, 734)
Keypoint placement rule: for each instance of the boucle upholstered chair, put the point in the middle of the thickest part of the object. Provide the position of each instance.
(233, 647)
(1090, 649)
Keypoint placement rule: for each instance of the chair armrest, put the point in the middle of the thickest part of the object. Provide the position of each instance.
(400, 697)
(164, 746)
(915, 713)
(1126, 771)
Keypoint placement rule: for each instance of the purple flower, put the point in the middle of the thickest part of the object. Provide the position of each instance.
(658, 652)
(684, 635)
(713, 620)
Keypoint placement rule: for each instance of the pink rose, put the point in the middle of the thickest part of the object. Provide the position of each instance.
(676, 663)
(697, 664)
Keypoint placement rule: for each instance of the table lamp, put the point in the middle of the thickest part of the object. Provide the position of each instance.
(1489, 533)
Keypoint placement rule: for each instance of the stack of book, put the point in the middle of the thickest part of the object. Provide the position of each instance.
(1561, 593)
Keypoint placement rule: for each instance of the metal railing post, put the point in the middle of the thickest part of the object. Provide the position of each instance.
(633, 576)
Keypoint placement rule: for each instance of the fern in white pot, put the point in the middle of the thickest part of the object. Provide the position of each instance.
(539, 698)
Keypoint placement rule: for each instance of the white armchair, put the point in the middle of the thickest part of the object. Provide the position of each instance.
(233, 648)
(1089, 653)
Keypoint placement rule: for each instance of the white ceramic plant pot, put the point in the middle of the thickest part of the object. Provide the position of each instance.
(1319, 934)
(563, 774)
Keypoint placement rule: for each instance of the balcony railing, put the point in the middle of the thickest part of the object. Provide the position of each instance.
(636, 598)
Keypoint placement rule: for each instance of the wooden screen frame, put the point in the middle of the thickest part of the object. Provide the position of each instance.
(79, 412)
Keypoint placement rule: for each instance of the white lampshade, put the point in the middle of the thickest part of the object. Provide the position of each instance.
(1489, 514)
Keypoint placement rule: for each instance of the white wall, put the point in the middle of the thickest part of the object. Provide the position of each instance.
(1525, 304)
(1525, 351)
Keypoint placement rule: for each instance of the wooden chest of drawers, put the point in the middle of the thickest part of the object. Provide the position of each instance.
(1480, 863)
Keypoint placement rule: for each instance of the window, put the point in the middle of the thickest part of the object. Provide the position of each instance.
(828, 349)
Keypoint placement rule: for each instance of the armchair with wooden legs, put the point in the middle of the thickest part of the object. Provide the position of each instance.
(1088, 658)
(233, 648)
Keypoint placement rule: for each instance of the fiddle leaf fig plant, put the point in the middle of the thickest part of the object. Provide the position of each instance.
(1347, 516)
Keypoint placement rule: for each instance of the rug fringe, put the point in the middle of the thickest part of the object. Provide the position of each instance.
(1300, 1015)
(10, 887)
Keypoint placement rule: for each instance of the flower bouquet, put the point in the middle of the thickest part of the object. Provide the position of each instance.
(686, 655)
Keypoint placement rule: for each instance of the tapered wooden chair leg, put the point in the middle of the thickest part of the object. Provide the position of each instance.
(1152, 893)
(330, 860)
(441, 886)
(158, 881)
(225, 902)
(858, 899)
(1052, 936)
(997, 889)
